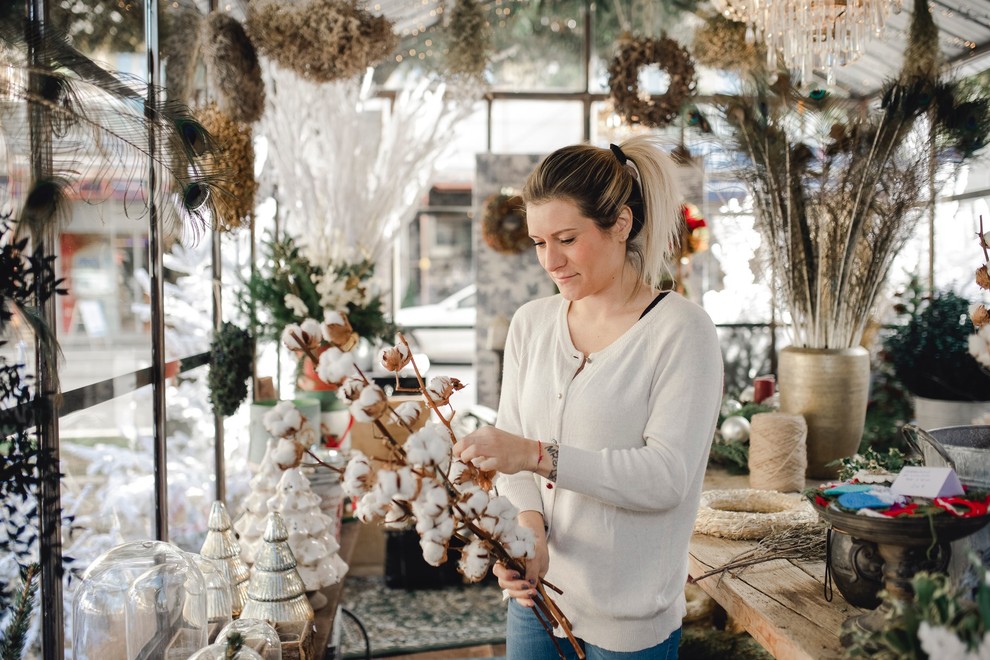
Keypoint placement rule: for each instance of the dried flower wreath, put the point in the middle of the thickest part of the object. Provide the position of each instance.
(623, 80)
(234, 156)
(504, 224)
(321, 40)
(418, 480)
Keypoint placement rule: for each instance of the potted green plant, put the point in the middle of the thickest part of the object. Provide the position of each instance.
(930, 357)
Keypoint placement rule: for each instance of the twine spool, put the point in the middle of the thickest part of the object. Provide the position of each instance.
(778, 456)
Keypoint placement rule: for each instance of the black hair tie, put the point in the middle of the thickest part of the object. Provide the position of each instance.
(617, 150)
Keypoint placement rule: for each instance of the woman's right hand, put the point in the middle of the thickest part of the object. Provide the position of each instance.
(523, 587)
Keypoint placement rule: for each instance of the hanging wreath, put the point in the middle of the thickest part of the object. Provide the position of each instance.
(503, 225)
(623, 80)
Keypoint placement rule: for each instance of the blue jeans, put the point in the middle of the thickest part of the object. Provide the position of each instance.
(526, 639)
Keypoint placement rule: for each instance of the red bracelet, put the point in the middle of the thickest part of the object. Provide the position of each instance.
(539, 449)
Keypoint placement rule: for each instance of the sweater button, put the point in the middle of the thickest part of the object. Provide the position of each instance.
(560, 395)
(549, 486)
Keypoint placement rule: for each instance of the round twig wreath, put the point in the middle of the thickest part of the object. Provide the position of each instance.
(623, 80)
(747, 513)
(504, 224)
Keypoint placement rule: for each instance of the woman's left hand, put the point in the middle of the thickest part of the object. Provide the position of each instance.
(488, 448)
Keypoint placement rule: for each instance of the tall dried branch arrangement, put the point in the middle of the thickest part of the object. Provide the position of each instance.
(349, 174)
(838, 190)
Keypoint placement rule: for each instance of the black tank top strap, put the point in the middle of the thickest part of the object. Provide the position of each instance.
(653, 303)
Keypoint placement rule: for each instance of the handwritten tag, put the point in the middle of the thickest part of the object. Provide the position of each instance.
(930, 482)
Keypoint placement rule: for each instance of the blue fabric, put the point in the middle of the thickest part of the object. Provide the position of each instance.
(526, 639)
(862, 501)
(848, 488)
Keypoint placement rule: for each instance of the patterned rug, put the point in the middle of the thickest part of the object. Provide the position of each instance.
(399, 621)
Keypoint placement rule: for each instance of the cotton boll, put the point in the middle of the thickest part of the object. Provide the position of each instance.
(356, 474)
(441, 388)
(395, 357)
(351, 388)
(434, 554)
(334, 365)
(292, 337)
(387, 484)
(408, 412)
(473, 500)
(428, 446)
(979, 345)
(520, 543)
(338, 332)
(396, 517)
(474, 561)
(438, 529)
(286, 453)
(370, 507)
(431, 501)
(283, 420)
(370, 405)
(459, 472)
(409, 484)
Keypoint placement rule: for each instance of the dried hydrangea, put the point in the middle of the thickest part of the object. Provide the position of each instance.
(234, 158)
(321, 40)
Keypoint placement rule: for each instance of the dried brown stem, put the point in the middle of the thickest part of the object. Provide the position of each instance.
(326, 465)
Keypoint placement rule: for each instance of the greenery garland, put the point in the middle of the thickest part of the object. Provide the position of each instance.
(230, 368)
(503, 225)
(623, 80)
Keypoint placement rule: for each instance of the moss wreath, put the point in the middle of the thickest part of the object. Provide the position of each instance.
(503, 225)
(623, 80)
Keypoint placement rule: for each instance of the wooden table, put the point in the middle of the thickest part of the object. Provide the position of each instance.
(781, 603)
(325, 615)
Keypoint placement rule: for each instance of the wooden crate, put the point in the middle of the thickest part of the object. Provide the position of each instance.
(297, 639)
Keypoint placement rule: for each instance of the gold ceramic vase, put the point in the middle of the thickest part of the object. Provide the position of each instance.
(830, 388)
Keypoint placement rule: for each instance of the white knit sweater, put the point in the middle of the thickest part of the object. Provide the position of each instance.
(634, 429)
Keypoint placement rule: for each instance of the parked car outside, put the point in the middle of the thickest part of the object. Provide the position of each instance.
(444, 331)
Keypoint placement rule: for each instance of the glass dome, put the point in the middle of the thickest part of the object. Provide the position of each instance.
(219, 600)
(137, 601)
(258, 634)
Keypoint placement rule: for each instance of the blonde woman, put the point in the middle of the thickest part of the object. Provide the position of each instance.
(610, 397)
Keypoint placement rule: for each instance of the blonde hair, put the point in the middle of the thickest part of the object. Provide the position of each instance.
(599, 184)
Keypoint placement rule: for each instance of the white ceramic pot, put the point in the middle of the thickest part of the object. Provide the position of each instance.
(939, 413)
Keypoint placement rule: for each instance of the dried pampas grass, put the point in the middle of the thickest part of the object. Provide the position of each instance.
(233, 66)
(234, 157)
(321, 40)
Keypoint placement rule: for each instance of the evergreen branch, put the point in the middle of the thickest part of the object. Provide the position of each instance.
(12, 644)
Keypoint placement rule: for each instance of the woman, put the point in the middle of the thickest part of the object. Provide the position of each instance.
(610, 396)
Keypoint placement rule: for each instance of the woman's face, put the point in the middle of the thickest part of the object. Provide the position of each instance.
(582, 259)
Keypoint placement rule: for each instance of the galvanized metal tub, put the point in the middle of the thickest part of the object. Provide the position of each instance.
(968, 448)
